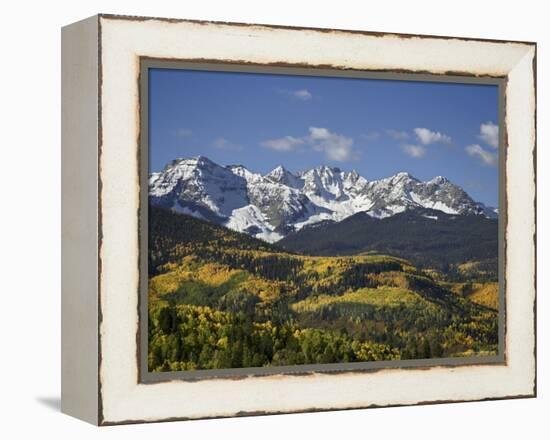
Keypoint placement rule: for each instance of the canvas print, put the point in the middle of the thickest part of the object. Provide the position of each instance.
(304, 220)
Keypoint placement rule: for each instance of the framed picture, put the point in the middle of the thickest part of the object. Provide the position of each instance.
(262, 219)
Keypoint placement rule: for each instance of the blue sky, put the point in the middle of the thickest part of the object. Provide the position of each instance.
(376, 127)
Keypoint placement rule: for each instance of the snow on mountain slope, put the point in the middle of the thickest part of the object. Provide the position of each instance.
(245, 173)
(201, 183)
(249, 219)
(283, 176)
(281, 205)
(271, 206)
(402, 191)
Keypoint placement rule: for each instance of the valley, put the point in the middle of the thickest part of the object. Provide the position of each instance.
(219, 298)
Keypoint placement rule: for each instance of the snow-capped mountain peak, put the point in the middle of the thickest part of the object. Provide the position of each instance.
(402, 175)
(281, 175)
(439, 180)
(245, 173)
(198, 184)
(279, 202)
(324, 182)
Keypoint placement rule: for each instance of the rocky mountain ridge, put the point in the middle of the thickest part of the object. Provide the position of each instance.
(280, 202)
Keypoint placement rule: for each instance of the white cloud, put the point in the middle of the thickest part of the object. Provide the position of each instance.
(336, 147)
(223, 144)
(299, 94)
(416, 151)
(302, 94)
(426, 136)
(397, 134)
(183, 132)
(319, 133)
(488, 133)
(286, 143)
(486, 157)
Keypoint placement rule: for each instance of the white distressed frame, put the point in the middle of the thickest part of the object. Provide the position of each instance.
(122, 42)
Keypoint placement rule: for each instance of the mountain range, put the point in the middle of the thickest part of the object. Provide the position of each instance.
(281, 203)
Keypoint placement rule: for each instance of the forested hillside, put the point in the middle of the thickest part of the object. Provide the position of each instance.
(426, 237)
(221, 299)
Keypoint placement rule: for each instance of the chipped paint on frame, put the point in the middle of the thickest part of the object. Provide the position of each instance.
(108, 389)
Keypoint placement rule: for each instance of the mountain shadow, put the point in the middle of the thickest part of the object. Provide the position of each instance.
(426, 237)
